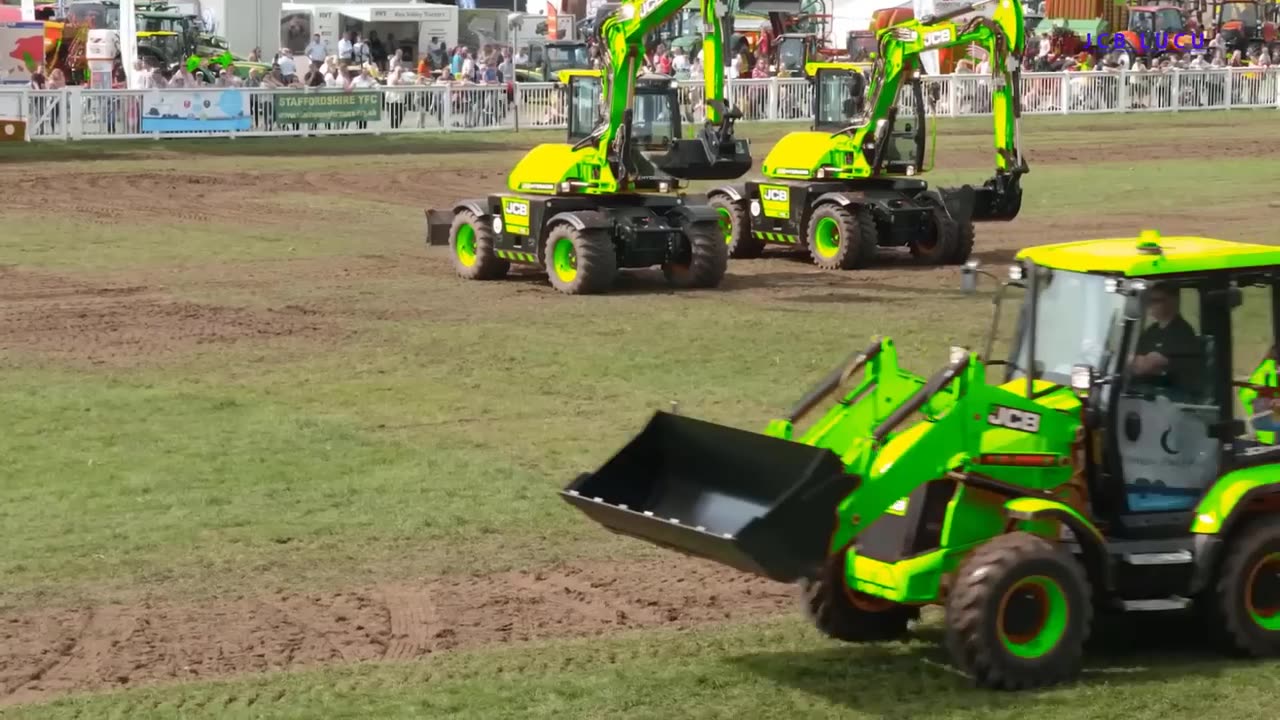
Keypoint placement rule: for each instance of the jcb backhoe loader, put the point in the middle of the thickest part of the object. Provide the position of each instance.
(848, 187)
(612, 198)
(1104, 468)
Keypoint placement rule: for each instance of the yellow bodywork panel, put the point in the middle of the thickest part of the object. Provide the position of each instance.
(546, 166)
(805, 151)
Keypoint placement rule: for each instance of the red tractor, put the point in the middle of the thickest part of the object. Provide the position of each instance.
(1155, 30)
(1246, 25)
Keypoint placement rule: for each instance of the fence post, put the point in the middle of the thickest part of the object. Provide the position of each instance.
(447, 114)
(1123, 95)
(773, 98)
(75, 101)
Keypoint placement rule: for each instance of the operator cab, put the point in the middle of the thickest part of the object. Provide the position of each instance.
(657, 150)
(840, 102)
(1165, 364)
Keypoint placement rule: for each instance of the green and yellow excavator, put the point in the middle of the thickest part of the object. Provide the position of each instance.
(849, 186)
(612, 196)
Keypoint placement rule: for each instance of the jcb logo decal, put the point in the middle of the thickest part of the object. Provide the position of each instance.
(1014, 419)
(517, 208)
(938, 36)
(776, 195)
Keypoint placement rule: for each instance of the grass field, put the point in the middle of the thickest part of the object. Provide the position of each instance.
(265, 456)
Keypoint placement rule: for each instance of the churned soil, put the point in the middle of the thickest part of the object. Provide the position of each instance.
(52, 651)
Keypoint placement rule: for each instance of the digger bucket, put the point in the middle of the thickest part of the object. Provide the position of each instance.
(753, 502)
(438, 224)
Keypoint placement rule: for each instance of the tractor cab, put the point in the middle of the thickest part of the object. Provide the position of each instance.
(839, 102)
(794, 52)
(1160, 338)
(657, 150)
(1245, 25)
(839, 98)
(561, 55)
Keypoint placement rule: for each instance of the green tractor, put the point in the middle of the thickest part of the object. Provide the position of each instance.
(1105, 464)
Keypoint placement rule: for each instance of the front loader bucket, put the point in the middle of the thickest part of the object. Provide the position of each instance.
(753, 502)
(438, 224)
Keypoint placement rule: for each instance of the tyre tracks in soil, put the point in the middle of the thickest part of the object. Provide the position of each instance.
(48, 651)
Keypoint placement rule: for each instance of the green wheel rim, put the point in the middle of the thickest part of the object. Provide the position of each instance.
(564, 260)
(1033, 616)
(465, 245)
(726, 225)
(1262, 592)
(826, 237)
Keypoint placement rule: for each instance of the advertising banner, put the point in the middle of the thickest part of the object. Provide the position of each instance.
(21, 51)
(329, 107)
(195, 110)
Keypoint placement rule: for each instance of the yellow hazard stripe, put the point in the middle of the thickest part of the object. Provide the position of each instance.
(775, 237)
(517, 256)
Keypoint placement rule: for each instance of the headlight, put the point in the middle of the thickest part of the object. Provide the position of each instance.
(1015, 272)
(755, 208)
(497, 224)
(566, 187)
(958, 354)
(664, 187)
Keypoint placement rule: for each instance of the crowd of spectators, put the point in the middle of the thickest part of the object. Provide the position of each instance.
(366, 63)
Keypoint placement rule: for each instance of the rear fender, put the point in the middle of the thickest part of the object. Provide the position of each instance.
(1223, 510)
(439, 221)
(1033, 514)
(732, 192)
(842, 199)
(686, 215)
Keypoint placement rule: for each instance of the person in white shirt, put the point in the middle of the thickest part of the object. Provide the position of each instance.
(679, 61)
(288, 67)
(346, 49)
(1046, 45)
(317, 49)
(468, 68)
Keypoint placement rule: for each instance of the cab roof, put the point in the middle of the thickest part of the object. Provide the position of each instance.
(1151, 254)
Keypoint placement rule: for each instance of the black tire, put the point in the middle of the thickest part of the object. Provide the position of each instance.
(478, 259)
(592, 262)
(1250, 577)
(964, 228)
(707, 262)
(1035, 574)
(842, 614)
(964, 242)
(855, 241)
(939, 243)
(742, 246)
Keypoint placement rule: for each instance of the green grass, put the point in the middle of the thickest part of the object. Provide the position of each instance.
(427, 429)
(768, 669)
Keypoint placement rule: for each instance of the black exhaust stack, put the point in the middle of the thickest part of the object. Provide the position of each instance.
(757, 503)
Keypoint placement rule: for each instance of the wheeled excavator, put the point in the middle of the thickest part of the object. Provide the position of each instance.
(849, 186)
(612, 196)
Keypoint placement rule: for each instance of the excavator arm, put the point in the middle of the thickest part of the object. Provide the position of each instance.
(715, 153)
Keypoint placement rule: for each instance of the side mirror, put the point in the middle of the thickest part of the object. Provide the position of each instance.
(969, 277)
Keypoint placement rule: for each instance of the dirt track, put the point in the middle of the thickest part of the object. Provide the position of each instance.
(51, 652)
(122, 318)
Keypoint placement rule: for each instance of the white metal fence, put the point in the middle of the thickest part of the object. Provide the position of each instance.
(77, 114)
